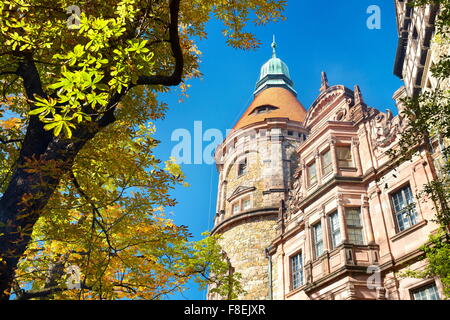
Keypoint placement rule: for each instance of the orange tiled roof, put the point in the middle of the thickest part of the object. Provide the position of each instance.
(287, 104)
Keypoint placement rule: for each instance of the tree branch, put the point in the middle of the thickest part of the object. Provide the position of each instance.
(27, 295)
(10, 141)
(176, 77)
(7, 72)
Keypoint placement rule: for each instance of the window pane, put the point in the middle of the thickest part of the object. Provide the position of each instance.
(401, 224)
(355, 236)
(354, 225)
(318, 239)
(427, 293)
(335, 230)
(327, 163)
(246, 204)
(353, 216)
(344, 156)
(398, 201)
(312, 174)
(297, 271)
(404, 208)
(242, 167)
(235, 208)
(408, 195)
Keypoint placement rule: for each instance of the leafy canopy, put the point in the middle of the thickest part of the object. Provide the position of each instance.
(90, 75)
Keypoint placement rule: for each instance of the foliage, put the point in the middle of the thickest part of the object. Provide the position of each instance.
(428, 128)
(215, 269)
(79, 182)
(437, 252)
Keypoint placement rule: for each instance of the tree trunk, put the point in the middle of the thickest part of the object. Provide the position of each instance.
(27, 195)
(28, 192)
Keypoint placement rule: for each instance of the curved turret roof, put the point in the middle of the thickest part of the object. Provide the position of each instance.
(275, 96)
(286, 104)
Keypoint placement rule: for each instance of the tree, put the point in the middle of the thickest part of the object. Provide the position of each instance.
(79, 85)
(427, 129)
(214, 269)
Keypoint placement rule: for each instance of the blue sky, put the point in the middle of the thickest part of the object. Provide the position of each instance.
(317, 36)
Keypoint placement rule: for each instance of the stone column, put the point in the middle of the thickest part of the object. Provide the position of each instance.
(326, 241)
(305, 179)
(309, 254)
(342, 224)
(334, 156)
(318, 168)
(326, 232)
(367, 221)
(219, 195)
(356, 156)
(224, 196)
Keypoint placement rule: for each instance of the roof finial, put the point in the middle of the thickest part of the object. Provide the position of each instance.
(358, 95)
(325, 84)
(274, 48)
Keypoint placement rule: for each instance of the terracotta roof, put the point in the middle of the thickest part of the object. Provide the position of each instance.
(287, 104)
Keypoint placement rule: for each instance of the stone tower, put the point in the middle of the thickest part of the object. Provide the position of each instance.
(255, 164)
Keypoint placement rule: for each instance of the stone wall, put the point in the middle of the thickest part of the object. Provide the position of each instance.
(245, 245)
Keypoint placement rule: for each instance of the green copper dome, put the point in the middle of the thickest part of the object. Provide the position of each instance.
(274, 73)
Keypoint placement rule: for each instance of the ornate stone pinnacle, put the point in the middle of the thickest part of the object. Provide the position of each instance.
(325, 84)
(358, 95)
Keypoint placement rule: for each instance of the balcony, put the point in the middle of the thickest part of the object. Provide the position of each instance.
(337, 263)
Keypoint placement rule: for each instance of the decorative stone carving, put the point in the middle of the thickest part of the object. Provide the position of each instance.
(295, 196)
(323, 103)
(240, 191)
(384, 129)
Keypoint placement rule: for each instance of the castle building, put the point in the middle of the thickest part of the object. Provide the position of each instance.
(417, 50)
(309, 205)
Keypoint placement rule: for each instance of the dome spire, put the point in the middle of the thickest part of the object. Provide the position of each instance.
(274, 48)
(274, 73)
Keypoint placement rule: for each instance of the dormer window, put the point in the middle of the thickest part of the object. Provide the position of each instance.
(263, 109)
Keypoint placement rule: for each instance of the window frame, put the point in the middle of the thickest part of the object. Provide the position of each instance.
(316, 243)
(299, 271)
(330, 165)
(350, 160)
(308, 175)
(423, 287)
(408, 208)
(249, 199)
(334, 232)
(234, 205)
(359, 227)
(242, 170)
